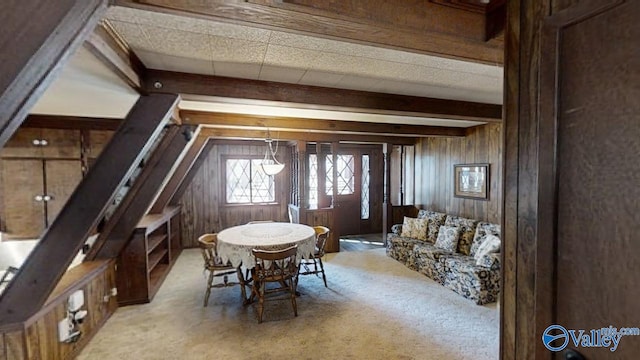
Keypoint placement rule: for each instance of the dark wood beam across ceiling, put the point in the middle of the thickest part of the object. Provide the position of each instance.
(70, 122)
(291, 123)
(423, 27)
(320, 97)
(244, 134)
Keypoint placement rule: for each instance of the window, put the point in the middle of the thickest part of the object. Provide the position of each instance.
(247, 183)
(313, 181)
(346, 174)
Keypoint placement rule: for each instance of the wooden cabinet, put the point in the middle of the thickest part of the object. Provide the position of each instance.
(148, 257)
(43, 143)
(34, 192)
(39, 170)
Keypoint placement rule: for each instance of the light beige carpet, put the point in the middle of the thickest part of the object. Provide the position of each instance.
(374, 308)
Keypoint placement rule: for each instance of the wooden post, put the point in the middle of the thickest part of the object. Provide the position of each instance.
(65, 237)
(386, 198)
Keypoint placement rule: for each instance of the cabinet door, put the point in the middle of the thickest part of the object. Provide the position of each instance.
(24, 216)
(62, 177)
(61, 143)
(22, 144)
(98, 139)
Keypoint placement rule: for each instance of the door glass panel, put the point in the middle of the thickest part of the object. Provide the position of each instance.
(364, 193)
(313, 181)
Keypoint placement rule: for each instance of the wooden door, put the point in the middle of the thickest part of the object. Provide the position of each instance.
(588, 247)
(347, 193)
(61, 179)
(24, 214)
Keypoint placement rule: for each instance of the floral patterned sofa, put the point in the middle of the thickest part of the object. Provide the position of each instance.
(461, 254)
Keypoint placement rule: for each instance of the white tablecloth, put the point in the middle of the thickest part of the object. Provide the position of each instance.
(235, 243)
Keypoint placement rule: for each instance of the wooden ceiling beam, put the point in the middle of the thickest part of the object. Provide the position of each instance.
(291, 123)
(60, 243)
(114, 53)
(421, 27)
(36, 39)
(70, 122)
(212, 132)
(317, 96)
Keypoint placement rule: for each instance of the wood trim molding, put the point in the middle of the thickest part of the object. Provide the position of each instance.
(60, 243)
(465, 42)
(32, 51)
(293, 124)
(178, 175)
(202, 156)
(113, 52)
(305, 136)
(339, 99)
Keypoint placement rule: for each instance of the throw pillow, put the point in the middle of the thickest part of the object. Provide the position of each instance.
(420, 227)
(491, 244)
(414, 228)
(448, 238)
(407, 227)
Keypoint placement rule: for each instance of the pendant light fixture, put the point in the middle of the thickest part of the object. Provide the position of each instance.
(270, 164)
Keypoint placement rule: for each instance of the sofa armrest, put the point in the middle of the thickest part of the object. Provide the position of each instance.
(396, 229)
(491, 261)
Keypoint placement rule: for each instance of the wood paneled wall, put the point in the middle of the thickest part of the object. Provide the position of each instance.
(203, 208)
(435, 158)
(38, 337)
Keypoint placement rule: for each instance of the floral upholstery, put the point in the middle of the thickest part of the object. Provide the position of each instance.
(474, 282)
(425, 258)
(436, 219)
(448, 238)
(467, 231)
(399, 247)
(478, 280)
(414, 228)
(482, 230)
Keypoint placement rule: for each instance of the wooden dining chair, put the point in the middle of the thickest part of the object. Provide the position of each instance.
(259, 222)
(216, 268)
(277, 266)
(322, 234)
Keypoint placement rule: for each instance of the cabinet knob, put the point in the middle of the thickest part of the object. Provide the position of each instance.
(39, 142)
(38, 198)
(47, 198)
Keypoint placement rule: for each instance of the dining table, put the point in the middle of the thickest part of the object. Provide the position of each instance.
(235, 244)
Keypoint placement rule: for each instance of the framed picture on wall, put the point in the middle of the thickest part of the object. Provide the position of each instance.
(471, 181)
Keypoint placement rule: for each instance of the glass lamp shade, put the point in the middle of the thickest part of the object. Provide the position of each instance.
(271, 168)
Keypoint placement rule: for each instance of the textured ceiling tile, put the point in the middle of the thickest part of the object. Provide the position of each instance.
(290, 57)
(244, 71)
(238, 32)
(233, 50)
(281, 74)
(150, 59)
(190, 65)
(132, 34)
(158, 19)
(303, 41)
(178, 43)
(320, 78)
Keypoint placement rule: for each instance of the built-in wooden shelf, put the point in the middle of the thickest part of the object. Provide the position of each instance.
(149, 256)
